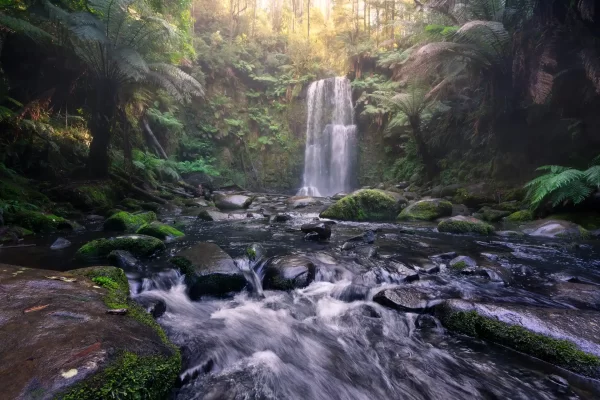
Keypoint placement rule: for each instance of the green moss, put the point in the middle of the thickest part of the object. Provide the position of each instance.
(459, 266)
(126, 222)
(136, 245)
(491, 215)
(159, 230)
(520, 216)
(131, 204)
(560, 352)
(426, 210)
(184, 265)
(38, 222)
(364, 205)
(101, 195)
(131, 376)
(251, 253)
(464, 226)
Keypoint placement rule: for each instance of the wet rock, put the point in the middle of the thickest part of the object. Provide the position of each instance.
(367, 237)
(462, 224)
(160, 231)
(232, 201)
(302, 201)
(434, 269)
(312, 237)
(362, 205)
(444, 256)
(255, 252)
(154, 307)
(509, 233)
(462, 262)
(408, 299)
(288, 272)
(125, 222)
(94, 218)
(393, 272)
(138, 245)
(581, 295)
(557, 229)
(60, 243)
(558, 380)
(209, 271)
(489, 214)
(122, 259)
(498, 274)
(426, 210)
(339, 196)
(281, 218)
(563, 337)
(352, 292)
(86, 341)
(322, 230)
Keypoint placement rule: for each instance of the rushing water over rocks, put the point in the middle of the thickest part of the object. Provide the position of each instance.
(330, 138)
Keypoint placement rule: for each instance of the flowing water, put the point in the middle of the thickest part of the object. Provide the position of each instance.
(330, 138)
(329, 340)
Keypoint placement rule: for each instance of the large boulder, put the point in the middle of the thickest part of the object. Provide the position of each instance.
(126, 222)
(362, 205)
(160, 231)
(426, 210)
(209, 271)
(138, 245)
(288, 272)
(59, 342)
(232, 201)
(462, 224)
(557, 229)
(564, 337)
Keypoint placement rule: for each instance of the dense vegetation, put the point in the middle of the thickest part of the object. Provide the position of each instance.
(446, 91)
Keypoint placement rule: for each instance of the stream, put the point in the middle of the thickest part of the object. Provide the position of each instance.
(330, 340)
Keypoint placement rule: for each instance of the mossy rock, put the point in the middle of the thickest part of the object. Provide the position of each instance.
(87, 196)
(426, 210)
(160, 231)
(550, 228)
(39, 222)
(363, 205)
(138, 245)
(510, 206)
(126, 222)
(150, 206)
(588, 220)
(562, 337)
(131, 204)
(520, 216)
(491, 215)
(12, 233)
(462, 224)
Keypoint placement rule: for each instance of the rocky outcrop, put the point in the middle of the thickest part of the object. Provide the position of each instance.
(363, 205)
(209, 271)
(462, 224)
(58, 341)
(426, 210)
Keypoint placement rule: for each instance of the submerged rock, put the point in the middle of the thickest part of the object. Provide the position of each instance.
(160, 231)
(209, 271)
(558, 229)
(426, 210)
(409, 299)
(563, 337)
(321, 229)
(125, 222)
(288, 272)
(462, 224)
(362, 205)
(90, 350)
(462, 262)
(60, 243)
(232, 201)
(138, 245)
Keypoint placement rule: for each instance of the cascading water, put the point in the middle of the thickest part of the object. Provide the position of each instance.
(330, 138)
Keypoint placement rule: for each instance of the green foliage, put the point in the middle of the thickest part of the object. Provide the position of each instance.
(562, 185)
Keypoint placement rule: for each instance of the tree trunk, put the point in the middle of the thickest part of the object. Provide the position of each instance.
(100, 125)
(154, 140)
(430, 165)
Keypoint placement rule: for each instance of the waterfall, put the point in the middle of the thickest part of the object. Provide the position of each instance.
(330, 138)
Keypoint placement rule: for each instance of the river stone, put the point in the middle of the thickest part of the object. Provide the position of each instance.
(393, 272)
(409, 299)
(209, 271)
(122, 259)
(232, 201)
(462, 262)
(302, 201)
(564, 337)
(557, 229)
(322, 230)
(426, 210)
(60, 243)
(288, 272)
(50, 327)
(281, 218)
(462, 224)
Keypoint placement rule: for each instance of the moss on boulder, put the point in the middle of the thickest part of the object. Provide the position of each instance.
(426, 210)
(520, 216)
(560, 337)
(39, 222)
(363, 205)
(462, 224)
(14, 232)
(125, 222)
(490, 214)
(138, 245)
(159, 230)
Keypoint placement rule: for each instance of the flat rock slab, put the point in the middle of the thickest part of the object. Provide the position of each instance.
(55, 333)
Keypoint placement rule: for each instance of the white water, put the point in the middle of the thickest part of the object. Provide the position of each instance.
(330, 138)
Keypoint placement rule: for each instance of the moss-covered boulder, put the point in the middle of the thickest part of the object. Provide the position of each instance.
(550, 228)
(209, 271)
(475, 195)
(563, 337)
(13, 233)
(160, 231)
(87, 196)
(38, 222)
(138, 245)
(520, 216)
(426, 210)
(362, 205)
(123, 221)
(91, 354)
(462, 224)
(489, 214)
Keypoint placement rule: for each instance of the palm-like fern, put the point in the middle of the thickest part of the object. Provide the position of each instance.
(561, 185)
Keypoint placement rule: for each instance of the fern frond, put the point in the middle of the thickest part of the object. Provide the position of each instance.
(592, 176)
